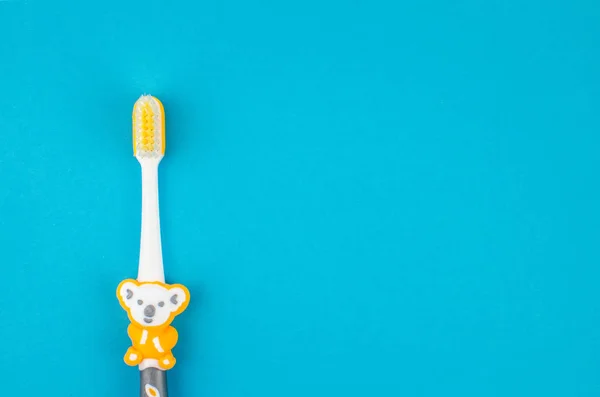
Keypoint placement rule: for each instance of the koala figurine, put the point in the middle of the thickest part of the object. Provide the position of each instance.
(151, 307)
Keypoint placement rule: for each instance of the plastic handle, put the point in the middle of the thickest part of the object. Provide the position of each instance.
(153, 383)
(151, 263)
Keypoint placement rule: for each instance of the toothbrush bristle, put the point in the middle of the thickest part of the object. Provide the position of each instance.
(148, 127)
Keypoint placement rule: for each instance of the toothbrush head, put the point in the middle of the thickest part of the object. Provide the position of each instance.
(148, 128)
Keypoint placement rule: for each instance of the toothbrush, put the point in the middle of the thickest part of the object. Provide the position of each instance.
(151, 304)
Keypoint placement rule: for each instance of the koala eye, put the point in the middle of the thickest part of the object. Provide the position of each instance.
(140, 302)
(161, 304)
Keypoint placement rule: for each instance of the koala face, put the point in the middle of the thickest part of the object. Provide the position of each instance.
(152, 304)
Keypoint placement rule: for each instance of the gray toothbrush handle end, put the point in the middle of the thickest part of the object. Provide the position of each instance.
(153, 383)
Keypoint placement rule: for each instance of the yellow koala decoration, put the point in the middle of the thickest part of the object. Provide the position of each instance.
(151, 307)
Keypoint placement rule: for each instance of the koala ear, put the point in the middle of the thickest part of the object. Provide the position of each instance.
(179, 297)
(126, 292)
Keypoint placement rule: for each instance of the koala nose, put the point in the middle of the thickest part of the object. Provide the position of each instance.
(149, 311)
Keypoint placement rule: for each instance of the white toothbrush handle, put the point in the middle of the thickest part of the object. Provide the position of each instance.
(151, 263)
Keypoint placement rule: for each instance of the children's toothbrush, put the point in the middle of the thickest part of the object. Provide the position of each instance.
(150, 303)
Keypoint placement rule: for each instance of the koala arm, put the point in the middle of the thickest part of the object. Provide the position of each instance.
(134, 333)
(169, 338)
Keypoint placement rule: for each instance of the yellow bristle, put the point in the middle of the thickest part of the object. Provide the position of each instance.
(147, 128)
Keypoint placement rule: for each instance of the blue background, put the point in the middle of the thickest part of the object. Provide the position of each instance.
(366, 198)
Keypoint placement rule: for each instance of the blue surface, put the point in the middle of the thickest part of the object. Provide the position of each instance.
(366, 198)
